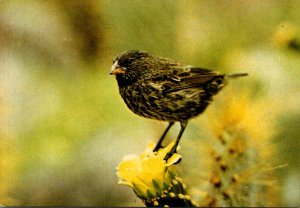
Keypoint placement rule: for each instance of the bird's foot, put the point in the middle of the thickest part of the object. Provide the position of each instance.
(157, 147)
(169, 155)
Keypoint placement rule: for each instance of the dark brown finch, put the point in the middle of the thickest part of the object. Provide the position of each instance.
(162, 89)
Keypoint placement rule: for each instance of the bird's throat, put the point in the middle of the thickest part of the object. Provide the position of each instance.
(125, 80)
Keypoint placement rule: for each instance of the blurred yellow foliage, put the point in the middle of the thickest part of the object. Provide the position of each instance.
(284, 34)
(7, 159)
(240, 150)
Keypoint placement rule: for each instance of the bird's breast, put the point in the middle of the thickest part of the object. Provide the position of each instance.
(150, 102)
(136, 99)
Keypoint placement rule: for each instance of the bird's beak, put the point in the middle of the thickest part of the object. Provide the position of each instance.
(116, 69)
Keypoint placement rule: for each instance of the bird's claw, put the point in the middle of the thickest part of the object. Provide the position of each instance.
(157, 148)
(169, 155)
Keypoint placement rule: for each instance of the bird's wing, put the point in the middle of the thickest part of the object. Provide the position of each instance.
(176, 77)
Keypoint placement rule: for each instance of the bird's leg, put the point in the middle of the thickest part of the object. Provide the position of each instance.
(183, 125)
(158, 145)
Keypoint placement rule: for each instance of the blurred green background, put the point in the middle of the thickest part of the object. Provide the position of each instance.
(64, 127)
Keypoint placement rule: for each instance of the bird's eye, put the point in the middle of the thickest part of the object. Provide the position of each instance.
(126, 62)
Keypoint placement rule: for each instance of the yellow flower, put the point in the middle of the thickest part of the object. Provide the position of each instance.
(148, 174)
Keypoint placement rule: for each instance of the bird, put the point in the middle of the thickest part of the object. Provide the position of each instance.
(164, 89)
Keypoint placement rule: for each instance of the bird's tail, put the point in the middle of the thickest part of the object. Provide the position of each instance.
(236, 75)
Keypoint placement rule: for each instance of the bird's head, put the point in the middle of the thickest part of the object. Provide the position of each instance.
(129, 65)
